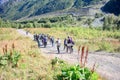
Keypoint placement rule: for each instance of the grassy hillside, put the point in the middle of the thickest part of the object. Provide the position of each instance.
(32, 65)
(26, 8)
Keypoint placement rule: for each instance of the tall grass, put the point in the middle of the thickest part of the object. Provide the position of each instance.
(105, 46)
(32, 65)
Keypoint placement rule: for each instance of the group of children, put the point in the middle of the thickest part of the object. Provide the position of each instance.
(42, 40)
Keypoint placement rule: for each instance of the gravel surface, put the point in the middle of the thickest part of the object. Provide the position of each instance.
(108, 64)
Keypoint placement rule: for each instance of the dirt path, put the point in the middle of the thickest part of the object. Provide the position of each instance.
(108, 63)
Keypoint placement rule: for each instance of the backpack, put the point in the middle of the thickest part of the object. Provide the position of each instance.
(58, 43)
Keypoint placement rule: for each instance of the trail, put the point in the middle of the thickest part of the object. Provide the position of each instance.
(108, 63)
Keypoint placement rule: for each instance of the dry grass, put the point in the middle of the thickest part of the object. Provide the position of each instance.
(32, 64)
(7, 34)
(83, 57)
(51, 31)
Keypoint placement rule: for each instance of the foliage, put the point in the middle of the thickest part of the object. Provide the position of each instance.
(54, 6)
(98, 15)
(106, 46)
(79, 3)
(9, 58)
(14, 10)
(31, 64)
(74, 72)
(111, 22)
(43, 22)
(77, 73)
(56, 60)
(89, 21)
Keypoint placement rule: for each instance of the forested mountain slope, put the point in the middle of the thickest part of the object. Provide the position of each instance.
(113, 6)
(16, 9)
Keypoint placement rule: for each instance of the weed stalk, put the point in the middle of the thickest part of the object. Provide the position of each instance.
(82, 56)
(86, 56)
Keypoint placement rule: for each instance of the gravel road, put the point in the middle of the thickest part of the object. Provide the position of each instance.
(108, 64)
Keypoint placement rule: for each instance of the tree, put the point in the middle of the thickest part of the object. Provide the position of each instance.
(79, 3)
(29, 25)
(117, 22)
(1, 21)
(89, 21)
(111, 22)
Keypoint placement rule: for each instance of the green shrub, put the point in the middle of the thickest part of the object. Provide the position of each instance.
(77, 73)
(9, 58)
(56, 61)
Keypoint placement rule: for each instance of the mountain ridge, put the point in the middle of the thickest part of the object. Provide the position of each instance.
(16, 9)
(113, 7)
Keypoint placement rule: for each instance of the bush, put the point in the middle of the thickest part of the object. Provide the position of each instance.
(98, 15)
(56, 61)
(9, 58)
(77, 73)
(73, 72)
(47, 25)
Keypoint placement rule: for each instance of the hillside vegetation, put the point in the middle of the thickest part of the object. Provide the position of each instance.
(16, 9)
(30, 63)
